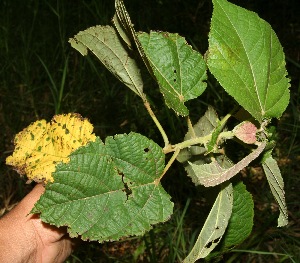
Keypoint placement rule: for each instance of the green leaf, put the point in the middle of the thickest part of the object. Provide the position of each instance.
(214, 226)
(213, 173)
(179, 70)
(276, 183)
(104, 42)
(247, 59)
(108, 191)
(241, 221)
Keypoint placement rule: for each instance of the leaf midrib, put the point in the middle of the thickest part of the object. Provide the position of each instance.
(250, 65)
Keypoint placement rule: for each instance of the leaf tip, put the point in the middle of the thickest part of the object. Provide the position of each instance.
(78, 46)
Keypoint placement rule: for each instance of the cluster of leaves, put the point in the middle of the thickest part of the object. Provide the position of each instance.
(107, 190)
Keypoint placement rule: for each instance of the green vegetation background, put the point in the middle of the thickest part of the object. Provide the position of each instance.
(40, 75)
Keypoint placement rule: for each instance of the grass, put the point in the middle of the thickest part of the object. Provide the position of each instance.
(40, 75)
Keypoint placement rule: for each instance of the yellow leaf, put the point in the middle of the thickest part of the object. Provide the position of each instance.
(40, 146)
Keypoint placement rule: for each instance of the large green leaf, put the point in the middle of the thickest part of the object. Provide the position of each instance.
(241, 221)
(179, 70)
(108, 191)
(213, 173)
(105, 43)
(247, 59)
(214, 226)
(276, 183)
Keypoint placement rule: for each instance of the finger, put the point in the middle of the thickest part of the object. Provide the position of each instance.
(58, 251)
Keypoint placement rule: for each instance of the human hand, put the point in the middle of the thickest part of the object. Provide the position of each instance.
(25, 238)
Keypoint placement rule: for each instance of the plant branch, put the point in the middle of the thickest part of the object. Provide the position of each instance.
(197, 140)
(190, 126)
(225, 119)
(157, 123)
(193, 141)
(171, 161)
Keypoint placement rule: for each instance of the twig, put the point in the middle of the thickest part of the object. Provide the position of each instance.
(157, 123)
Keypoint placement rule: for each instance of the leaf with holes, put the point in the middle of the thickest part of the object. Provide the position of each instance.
(240, 223)
(214, 226)
(179, 70)
(105, 44)
(40, 146)
(247, 59)
(108, 191)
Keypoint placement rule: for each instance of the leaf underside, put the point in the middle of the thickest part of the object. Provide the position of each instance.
(247, 59)
(214, 226)
(179, 70)
(276, 183)
(122, 33)
(108, 191)
(105, 44)
(124, 21)
(246, 132)
(213, 173)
